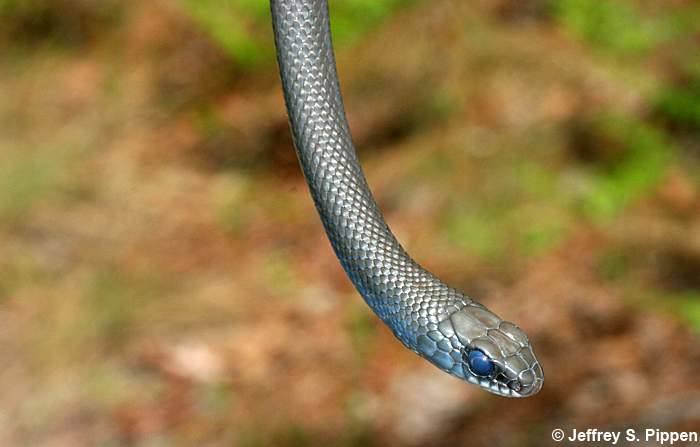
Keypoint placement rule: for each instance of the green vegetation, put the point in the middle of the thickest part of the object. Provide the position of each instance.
(26, 177)
(109, 304)
(646, 153)
(242, 27)
(20, 273)
(615, 26)
(614, 265)
(352, 19)
(229, 203)
(101, 316)
(538, 210)
(493, 233)
(473, 231)
(680, 103)
(360, 327)
(279, 274)
(239, 27)
(689, 307)
(684, 305)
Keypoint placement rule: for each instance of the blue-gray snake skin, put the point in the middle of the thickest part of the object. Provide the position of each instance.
(432, 319)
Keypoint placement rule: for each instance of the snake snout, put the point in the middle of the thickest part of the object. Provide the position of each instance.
(529, 388)
(496, 354)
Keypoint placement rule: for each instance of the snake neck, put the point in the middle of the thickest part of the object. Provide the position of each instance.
(402, 293)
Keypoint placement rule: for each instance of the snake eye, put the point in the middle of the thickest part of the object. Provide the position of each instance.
(479, 363)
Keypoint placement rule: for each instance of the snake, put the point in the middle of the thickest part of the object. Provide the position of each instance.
(439, 323)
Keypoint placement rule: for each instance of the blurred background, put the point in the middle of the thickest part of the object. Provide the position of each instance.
(165, 280)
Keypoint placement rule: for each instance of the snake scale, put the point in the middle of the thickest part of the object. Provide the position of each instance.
(441, 324)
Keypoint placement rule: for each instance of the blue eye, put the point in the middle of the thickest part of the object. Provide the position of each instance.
(479, 363)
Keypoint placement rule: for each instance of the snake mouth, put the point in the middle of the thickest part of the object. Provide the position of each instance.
(513, 388)
(532, 389)
(520, 389)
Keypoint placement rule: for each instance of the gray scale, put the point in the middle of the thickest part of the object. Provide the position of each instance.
(432, 319)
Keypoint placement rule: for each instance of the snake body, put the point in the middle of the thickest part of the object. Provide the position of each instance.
(441, 324)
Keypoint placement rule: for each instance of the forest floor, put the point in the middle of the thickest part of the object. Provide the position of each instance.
(165, 280)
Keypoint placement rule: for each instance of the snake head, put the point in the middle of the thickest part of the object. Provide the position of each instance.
(475, 345)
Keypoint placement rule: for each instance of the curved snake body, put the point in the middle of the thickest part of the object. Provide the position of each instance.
(432, 319)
